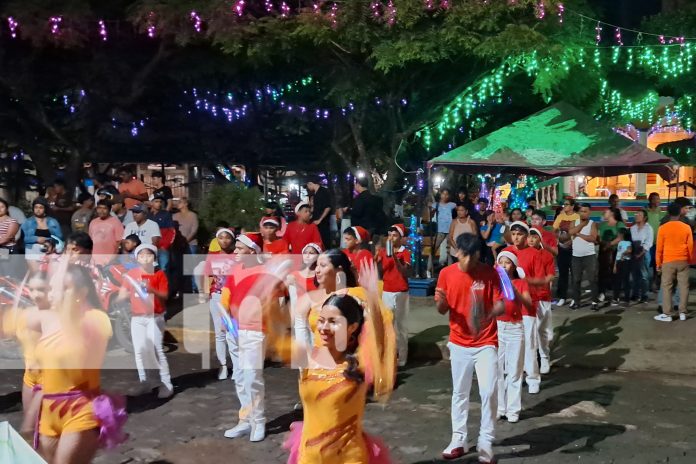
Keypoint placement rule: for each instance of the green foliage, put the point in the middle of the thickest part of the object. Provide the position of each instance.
(235, 203)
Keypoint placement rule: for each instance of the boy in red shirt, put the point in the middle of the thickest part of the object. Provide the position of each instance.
(148, 290)
(302, 231)
(396, 264)
(529, 261)
(271, 243)
(354, 237)
(470, 291)
(542, 294)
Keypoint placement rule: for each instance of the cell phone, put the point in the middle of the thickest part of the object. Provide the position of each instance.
(390, 249)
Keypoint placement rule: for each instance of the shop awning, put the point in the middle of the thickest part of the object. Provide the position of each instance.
(557, 141)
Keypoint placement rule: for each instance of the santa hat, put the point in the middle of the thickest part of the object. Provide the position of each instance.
(270, 220)
(521, 224)
(301, 205)
(400, 228)
(224, 230)
(512, 257)
(316, 246)
(145, 246)
(253, 240)
(361, 234)
(536, 232)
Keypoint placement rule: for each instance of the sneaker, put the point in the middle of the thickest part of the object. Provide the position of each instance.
(533, 389)
(571, 302)
(602, 298)
(258, 432)
(544, 366)
(239, 430)
(595, 306)
(222, 373)
(456, 449)
(499, 415)
(573, 306)
(614, 302)
(513, 418)
(165, 391)
(663, 318)
(485, 453)
(560, 302)
(682, 316)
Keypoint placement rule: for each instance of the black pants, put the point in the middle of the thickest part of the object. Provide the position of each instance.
(622, 279)
(325, 232)
(564, 260)
(605, 269)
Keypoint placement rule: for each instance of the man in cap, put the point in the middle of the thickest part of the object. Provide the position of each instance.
(118, 209)
(321, 202)
(146, 229)
(302, 231)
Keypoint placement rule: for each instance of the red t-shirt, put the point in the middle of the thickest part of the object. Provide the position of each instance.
(543, 292)
(458, 288)
(393, 280)
(304, 284)
(276, 247)
(245, 292)
(142, 301)
(513, 309)
(218, 265)
(358, 258)
(529, 260)
(549, 239)
(298, 235)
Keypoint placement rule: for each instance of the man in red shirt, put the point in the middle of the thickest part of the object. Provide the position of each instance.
(470, 291)
(542, 294)
(529, 261)
(302, 231)
(396, 264)
(271, 243)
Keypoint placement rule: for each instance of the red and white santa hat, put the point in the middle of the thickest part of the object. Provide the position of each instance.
(253, 240)
(361, 234)
(224, 230)
(537, 232)
(270, 220)
(316, 246)
(512, 257)
(301, 205)
(400, 228)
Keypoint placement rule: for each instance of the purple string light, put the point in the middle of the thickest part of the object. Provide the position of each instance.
(376, 8)
(12, 24)
(391, 13)
(102, 30)
(540, 9)
(151, 29)
(429, 4)
(284, 10)
(561, 10)
(197, 21)
(617, 34)
(598, 37)
(333, 13)
(239, 7)
(268, 5)
(55, 24)
(445, 4)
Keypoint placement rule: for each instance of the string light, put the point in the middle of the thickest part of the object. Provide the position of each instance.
(151, 29)
(445, 4)
(268, 6)
(239, 7)
(391, 13)
(197, 21)
(376, 8)
(55, 24)
(333, 13)
(429, 4)
(617, 34)
(540, 10)
(13, 25)
(102, 30)
(284, 10)
(598, 37)
(561, 10)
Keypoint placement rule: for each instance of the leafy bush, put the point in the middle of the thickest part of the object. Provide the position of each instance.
(235, 203)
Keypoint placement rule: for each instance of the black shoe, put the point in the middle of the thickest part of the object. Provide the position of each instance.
(659, 310)
(643, 300)
(595, 306)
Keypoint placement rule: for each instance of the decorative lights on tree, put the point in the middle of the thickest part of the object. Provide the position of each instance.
(102, 30)
(197, 21)
(55, 21)
(12, 24)
(391, 13)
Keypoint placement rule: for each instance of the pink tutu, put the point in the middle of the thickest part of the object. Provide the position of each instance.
(378, 453)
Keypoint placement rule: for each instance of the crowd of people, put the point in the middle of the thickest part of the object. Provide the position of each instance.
(281, 292)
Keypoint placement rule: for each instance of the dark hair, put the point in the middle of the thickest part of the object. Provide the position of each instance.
(445, 189)
(519, 228)
(468, 244)
(625, 233)
(683, 201)
(363, 182)
(569, 200)
(277, 210)
(339, 260)
(106, 203)
(585, 205)
(59, 182)
(516, 209)
(540, 213)
(159, 174)
(102, 178)
(644, 211)
(462, 205)
(531, 199)
(616, 213)
(6, 203)
(82, 278)
(221, 224)
(613, 196)
(483, 200)
(394, 229)
(134, 238)
(652, 195)
(84, 197)
(353, 312)
(674, 209)
(350, 231)
(127, 169)
(81, 239)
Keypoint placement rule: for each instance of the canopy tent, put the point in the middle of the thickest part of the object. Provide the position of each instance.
(557, 141)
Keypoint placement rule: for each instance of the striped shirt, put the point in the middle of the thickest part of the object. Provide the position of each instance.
(5, 227)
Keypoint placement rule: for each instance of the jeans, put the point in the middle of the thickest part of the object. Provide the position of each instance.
(641, 276)
(670, 271)
(510, 368)
(564, 260)
(584, 266)
(398, 302)
(147, 333)
(484, 360)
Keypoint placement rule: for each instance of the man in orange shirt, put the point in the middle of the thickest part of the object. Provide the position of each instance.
(675, 246)
(302, 231)
(470, 291)
(271, 243)
(130, 188)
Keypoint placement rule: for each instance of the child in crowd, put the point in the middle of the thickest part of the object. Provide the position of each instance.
(542, 295)
(511, 341)
(273, 245)
(148, 289)
(623, 267)
(127, 256)
(355, 238)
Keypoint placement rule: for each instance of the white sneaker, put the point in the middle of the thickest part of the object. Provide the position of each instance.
(258, 432)
(561, 302)
(533, 389)
(239, 430)
(165, 391)
(512, 418)
(222, 373)
(663, 318)
(602, 297)
(544, 366)
(457, 447)
(485, 453)
(571, 302)
(682, 316)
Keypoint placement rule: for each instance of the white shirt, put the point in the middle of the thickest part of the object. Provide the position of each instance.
(644, 235)
(624, 215)
(146, 232)
(582, 247)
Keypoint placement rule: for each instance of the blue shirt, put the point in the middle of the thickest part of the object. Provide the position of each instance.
(444, 216)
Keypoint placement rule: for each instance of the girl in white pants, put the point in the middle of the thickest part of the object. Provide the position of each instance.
(148, 290)
(511, 341)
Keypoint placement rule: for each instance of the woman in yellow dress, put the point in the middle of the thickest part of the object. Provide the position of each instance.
(354, 348)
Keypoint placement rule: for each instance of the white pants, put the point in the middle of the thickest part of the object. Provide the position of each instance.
(398, 302)
(545, 327)
(222, 338)
(147, 333)
(510, 367)
(464, 361)
(531, 343)
(247, 363)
